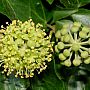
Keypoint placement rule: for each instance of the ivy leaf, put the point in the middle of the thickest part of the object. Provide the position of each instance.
(83, 15)
(48, 81)
(87, 85)
(57, 15)
(50, 1)
(75, 84)
(70, 3)
(12, 83)
(24, 9)
(84, 2)
(74, 3)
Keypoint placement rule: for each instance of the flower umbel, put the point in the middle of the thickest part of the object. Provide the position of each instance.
(73, 44)
(24, 48)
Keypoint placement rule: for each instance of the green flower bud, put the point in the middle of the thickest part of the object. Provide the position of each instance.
(82, 34)
(78, 24)
(87, 60)
(66, 38)
(62, 38)
(58, 34)
(85, 29)
(56, 49)
(64, 31)
(84, 54)
(74, 40)
(75, 47)
(76, 62)
(66, 25)
(66, 52)
(62, 57)
(67, 63)
(60, 45)
(74, 29)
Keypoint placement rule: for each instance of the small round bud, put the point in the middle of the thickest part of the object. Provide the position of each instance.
(60, 45)
(82, 34)
(65, 25)
(62, 57)
(84, 54)
(74, 29)
(56, 49)
(58, 34)
(85, 29)
(64, 31)
(87, 60)
(67, 63)
(74, 40)
(66, 38)
(66, 52)
(78, 24)
(76, 62)
(62, 38)
(75, 47)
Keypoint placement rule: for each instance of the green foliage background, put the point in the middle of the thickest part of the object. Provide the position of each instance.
(49, 13)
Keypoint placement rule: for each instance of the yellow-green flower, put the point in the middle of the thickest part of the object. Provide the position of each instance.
(73, 44)
(24, 48)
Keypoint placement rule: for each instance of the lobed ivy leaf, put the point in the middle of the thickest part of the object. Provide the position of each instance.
(48, 81)
(75, 84)
(84, 2)
(57, 15)
(74, 3)
(25, 9)
(70, 3)
(83, 17)
(12, 83)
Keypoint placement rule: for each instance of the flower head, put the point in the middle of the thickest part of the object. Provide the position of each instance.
(73, 44)
(24, 48)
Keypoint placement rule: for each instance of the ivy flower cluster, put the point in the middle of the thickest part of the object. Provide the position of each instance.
(73, 44)
(24, 48)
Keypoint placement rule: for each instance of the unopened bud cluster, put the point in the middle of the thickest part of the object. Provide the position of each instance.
(24, 48)
(73, 44)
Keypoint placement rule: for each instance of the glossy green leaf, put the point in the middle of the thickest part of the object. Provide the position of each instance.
(84, 2)
(50, 1)
(57, 15)
(83, 16)
(2, 78)
(60, 23)
(48, 81)
(24, 9)
(12, 83)
(74, 3)
(75, 84)
(87, 85)
(70, 3)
